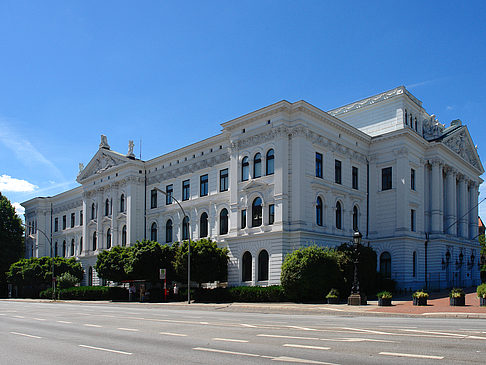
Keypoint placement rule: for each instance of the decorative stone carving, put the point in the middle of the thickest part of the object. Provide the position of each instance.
(459, 144)
(104, 142)
(81, 167)
(432, 128)
(130, 153)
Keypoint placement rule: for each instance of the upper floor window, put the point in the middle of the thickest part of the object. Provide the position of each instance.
(80, 217)
(81, 245)
(153, 199)
(64, 253)
(203, 225)
(270, 162)
(319, 211)
(122, 203)
(94, 241)
(185, 228)
(64, 222)
(169, 190)
(56, 224)
(256, 212)
(223, 221)
(318, 164)
(124, 236)
(338, 215)
(257, 165)
(412, 220)
(245, 169)
(73, 218)
(414, 264)
(243, 218)
(412, 179)
(168, 231)
(337, 172)
(108, 238)
(203, 182)
(355, 219)
(107, 207)
(386, 178)
(153, 232)
(223, 180)
(416, 126)
(93, 211)
(186, 189)
(355, 177)
(406, 117)
(271, 213)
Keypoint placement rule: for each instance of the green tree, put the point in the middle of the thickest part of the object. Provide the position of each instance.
(208, 261)
(110, 264)
(11, 240)
(147, 258)
(309, 273)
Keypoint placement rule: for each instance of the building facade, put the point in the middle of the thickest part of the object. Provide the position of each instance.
(282, 177)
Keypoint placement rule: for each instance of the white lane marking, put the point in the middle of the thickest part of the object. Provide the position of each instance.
(304, 361)
(412, 355)
(224, 351)
(19, 317)
(204, 322)
(354, 339)
(40, 319)
(437, 333)
(173, 334)
(128, 329)
(399, 327)
(476, 338)
(367, 331)
(67, 322)
(302, 328)
(247, 325)
(306, 346)
(137, 318)
(92, 325)
(292, 337)
(2, 314)
(108, 350)
(228, 339)
(24, 334)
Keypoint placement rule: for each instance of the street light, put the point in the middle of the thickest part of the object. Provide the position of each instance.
(188, 246)
(355, 297)
(52, 259)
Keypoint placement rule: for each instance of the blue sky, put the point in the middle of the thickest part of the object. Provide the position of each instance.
(168, 73)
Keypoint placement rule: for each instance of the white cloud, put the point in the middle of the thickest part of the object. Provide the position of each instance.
(450, 107)
(8, 183)
(20, 210)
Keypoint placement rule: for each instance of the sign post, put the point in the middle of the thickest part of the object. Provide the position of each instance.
(163, 277)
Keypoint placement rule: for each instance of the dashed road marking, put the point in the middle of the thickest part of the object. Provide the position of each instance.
(225, 352)
(291, 337)
(108, 350)
(66, 322)
(306, 346)
(304, 361)
(228, 339)
(248, 325)
(19, 317)
(418, 356)
(128, 329)
(92, 325)
(40, 319)
(24, 334)
(173, 334)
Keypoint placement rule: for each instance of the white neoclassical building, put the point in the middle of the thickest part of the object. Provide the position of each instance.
(282, 177)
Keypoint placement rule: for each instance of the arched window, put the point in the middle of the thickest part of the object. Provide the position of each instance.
(385, 264)
(263, 265)
(72, 247)
(108, 238)
(414, 264)
(107, 207)
(416, 128)
(245, 169)
(319, 211)
(355, 219)
(122, 203)
(124, 236)
(257, 165)
(90, 276)
(94, 241)
(338, 215)
(168, 231)
(256, 212)
(203, 225)
(153, 232)
(270, 162)
(185, 228)
(246, 273)
(93, 211)
(55, 250)
(223, 221)
(64, 249)
(81, 245)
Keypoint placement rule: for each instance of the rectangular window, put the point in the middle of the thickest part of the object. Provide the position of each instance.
(223, 180)
(64, 222)
(319, 165)
(386, 178)
(412, 179)
(153, 199)
(80, 217)
(73, 218)
(337, 172)
(355, 178)
(169, 190)
(186, 189)
(271, 214)
(203, 182)
(243, 218)
(56, 224)
(412, 220)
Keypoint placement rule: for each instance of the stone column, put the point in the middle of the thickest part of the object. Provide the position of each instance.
(85, 225)
(451, 202)
(462, 201)
(114, 213)
(402, 191)
(473, 220)
(436, 196)
(99, 219)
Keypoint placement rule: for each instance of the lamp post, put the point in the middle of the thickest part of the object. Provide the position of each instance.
(188, 246)
(52, 258)
(355, 298)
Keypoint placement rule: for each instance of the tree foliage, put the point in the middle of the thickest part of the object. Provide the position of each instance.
(110, 264)
(11, 239)
(147, 258)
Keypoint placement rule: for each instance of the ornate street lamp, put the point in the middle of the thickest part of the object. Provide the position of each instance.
(355, 298)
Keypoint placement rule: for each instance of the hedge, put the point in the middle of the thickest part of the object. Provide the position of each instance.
(272, 293)
(88, 293)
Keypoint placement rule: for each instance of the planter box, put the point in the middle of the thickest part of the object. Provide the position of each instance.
(332, 300)
(482, 302)
(384, 302)
(457, 302)
(419, 301)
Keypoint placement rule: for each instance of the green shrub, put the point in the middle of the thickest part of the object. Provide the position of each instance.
(420, 294)
(46, 294)
(333, 293)
(67, 280)
(481, 291)
(94, 293)
(384, 295)
(247, 294)
(457, 293)
(309, 272)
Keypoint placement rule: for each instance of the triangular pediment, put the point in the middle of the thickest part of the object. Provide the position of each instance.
(101, 162)
(461, 143)
(255, 186)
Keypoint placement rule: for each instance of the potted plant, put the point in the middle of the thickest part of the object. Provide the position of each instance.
(457, 297)
(333, 297)
(482, 294)
(384, 298)
(420, 297)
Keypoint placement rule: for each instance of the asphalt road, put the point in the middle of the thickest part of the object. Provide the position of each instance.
(122, 333)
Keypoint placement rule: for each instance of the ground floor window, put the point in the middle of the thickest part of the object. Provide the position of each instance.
(246, 273)
(263, 266)
(385, 264)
